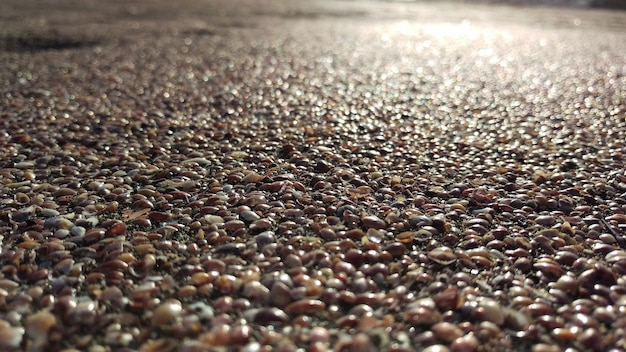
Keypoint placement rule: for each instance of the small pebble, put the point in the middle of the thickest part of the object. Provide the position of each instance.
(166, 313)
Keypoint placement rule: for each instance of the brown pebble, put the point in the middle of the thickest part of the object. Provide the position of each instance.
(545, 220)
(406, 237)
(442, 255)
(467, 343)
(518, 320)
(567, 284)
(37, 327)
(10, 337)
(355, 234)
(591, 339)
(118, 229)
(201, 278)
(374, 222)
(395, 249)
(61, 192)
(362, 343)
(166, 313)
(448, 299)
(255, 290)
(564, 335)
(269, 316)
(253, 177)
(94, 234)
(328, 234)
(446, 332)
(158, 216)
(599, 274)
(305, 306)
(186, 291)
(319, 334)
(491, 311)
(422, 312)
(549, 268)
(240, 335)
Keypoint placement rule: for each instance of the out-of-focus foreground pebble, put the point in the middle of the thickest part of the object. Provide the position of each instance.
(290, 176)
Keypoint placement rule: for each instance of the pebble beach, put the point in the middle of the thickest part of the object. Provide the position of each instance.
(315, 176)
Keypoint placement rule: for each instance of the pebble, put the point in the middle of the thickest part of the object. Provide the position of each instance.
(37, 327)
(270, 316)
(78, 231)
(374, 222)
(10, 337)
(436, 348)
(166, 314)
(249, 216)
(442, 255)
(491, 311)
(545, 220)
(50, 213)
(305, 306)
(446, 332)
(202, 310)
(465, 343)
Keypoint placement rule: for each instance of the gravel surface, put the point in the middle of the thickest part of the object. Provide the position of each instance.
(311, 176)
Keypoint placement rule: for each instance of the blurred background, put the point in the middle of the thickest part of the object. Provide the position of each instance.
(611, 4)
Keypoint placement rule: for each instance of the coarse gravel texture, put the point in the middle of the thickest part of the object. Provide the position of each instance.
(311, 175)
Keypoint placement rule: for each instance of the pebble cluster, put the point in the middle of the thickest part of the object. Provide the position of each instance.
(383, 184)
